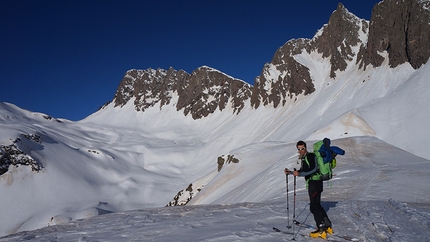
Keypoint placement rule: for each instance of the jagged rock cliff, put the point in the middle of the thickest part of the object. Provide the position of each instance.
(199, 93)
(291, 77)
(337, 38)
(402, 29)
(285, 78)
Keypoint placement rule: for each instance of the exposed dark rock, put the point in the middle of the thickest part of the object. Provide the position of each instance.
(222, 161)
(199, 94)
(208, 90)
(402, 29)
(334, 41)
(148, 87)
(14, 155)
(337, 37)
(47, 117)
(294, 77)
(183, 197)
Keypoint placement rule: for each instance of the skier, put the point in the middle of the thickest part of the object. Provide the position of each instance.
(309, 169)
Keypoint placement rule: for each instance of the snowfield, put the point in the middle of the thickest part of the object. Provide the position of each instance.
(376, 195)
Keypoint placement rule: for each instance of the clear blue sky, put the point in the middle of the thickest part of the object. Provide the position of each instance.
(66, 58)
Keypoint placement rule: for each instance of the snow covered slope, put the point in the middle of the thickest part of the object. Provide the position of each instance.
(376, 195)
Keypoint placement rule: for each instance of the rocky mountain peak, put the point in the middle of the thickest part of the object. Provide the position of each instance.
(208, 89)
(199, 93)
(285, 78)
(336, 39)
(148, 87)
(400, 28)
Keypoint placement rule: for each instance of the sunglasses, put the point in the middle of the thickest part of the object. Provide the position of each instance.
(301, 149)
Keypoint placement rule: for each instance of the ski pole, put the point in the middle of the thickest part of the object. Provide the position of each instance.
(288, 209)
(294, 211)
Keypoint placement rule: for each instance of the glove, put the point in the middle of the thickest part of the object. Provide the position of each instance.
(286, 171)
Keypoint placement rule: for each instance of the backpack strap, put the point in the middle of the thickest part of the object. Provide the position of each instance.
(317, 173)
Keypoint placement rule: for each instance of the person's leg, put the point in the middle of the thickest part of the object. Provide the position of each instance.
(315, 189)
(315, 203)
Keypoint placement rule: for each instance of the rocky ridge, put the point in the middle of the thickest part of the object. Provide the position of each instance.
(400, 28)
(199, 93)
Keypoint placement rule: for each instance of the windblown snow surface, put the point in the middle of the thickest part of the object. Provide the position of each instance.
(108, 177)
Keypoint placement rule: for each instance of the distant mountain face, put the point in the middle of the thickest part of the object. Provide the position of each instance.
(333, 41)
(199, 93)
(401, 28)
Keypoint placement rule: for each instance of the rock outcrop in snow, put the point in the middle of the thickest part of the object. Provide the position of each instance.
(16, 154)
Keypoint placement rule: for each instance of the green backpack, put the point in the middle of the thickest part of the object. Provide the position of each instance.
(325, 169)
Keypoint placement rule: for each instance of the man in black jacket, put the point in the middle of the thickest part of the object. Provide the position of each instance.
(309, 169)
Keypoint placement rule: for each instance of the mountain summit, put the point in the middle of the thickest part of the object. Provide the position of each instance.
(199, 93)
(285, 77)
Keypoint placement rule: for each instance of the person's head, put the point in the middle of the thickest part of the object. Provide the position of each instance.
(301, 147)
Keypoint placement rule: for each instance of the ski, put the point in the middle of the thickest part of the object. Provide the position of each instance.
(280, 231)
(344, 237)
(304, 225)
(287, 232)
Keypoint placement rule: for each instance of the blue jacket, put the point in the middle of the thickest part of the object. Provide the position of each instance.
(327, 154)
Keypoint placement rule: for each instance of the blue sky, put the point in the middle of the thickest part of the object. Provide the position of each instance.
(67, 58)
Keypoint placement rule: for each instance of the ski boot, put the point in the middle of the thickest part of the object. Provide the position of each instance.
(327, 224)
(319, 233)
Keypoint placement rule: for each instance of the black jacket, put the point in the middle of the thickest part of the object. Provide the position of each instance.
(307, 169)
